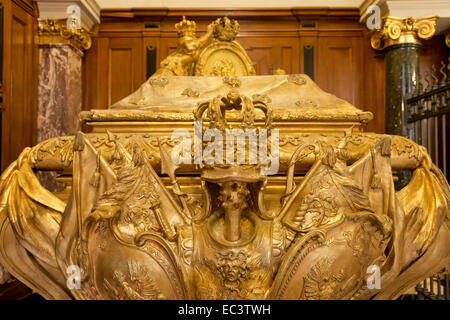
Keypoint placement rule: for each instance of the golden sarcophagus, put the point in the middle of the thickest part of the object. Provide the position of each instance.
(212, 183)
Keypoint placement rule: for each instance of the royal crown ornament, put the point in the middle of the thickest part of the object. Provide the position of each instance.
(226, 29)
(186, 27)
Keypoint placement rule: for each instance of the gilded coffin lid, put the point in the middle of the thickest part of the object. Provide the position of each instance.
(292, 98)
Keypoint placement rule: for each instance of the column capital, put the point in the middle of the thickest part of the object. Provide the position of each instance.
(403, 30)
(88, 10)
(56, 31)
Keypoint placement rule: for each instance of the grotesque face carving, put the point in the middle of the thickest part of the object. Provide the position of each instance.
(232, 266)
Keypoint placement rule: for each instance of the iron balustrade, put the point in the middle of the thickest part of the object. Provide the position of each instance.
(427, 110)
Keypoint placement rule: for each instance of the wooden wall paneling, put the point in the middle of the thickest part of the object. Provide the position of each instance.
(168, 46)
(20, 85)
(373, 85)
(261, 53)
(271, 42)
(89, 74)
(340, 67)
(289, 60)
(120, 73)
(118, 69)
(268, 54)
(125, 67)
(309, 39)
(101, 76)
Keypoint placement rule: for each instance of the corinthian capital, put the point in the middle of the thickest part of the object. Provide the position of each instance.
(403, 30)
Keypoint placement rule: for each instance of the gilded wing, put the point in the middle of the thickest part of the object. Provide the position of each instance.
(30, 218)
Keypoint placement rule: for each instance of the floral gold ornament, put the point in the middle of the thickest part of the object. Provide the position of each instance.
(53, 31)
(140, 226)
(224, 56)
(226, 29)
(403, 30)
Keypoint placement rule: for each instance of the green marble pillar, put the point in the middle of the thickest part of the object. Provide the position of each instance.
(402, 71)
(400, 39)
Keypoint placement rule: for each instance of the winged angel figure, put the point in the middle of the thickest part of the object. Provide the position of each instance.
(133, 234)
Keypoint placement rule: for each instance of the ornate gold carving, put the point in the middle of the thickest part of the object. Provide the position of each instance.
(140, 226)
(403, 30)
(224, 56)
(321, 283)
(137, 285)
(186, 27)
(232, 81)
(228, 58)
(233, 269)
(225, 29)
(297, 79)
(306, 103)
(318, 207)
(217, 107)
(53, 31)
(188, 50)
(190, 92)
(159, 81)
(224, 67)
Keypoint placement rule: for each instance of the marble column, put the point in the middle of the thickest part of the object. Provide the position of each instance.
(400, 39)
(402, 67)
(60, 83)
(59, 90)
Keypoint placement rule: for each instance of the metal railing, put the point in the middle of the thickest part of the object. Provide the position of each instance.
(428, 111)
(433, 288)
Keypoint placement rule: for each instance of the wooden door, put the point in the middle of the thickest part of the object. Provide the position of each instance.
(19, 84)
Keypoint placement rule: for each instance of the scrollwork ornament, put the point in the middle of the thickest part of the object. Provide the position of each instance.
(425, 29)
(56, 31)
(394, 29)
(403, 30)
(376, 41)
